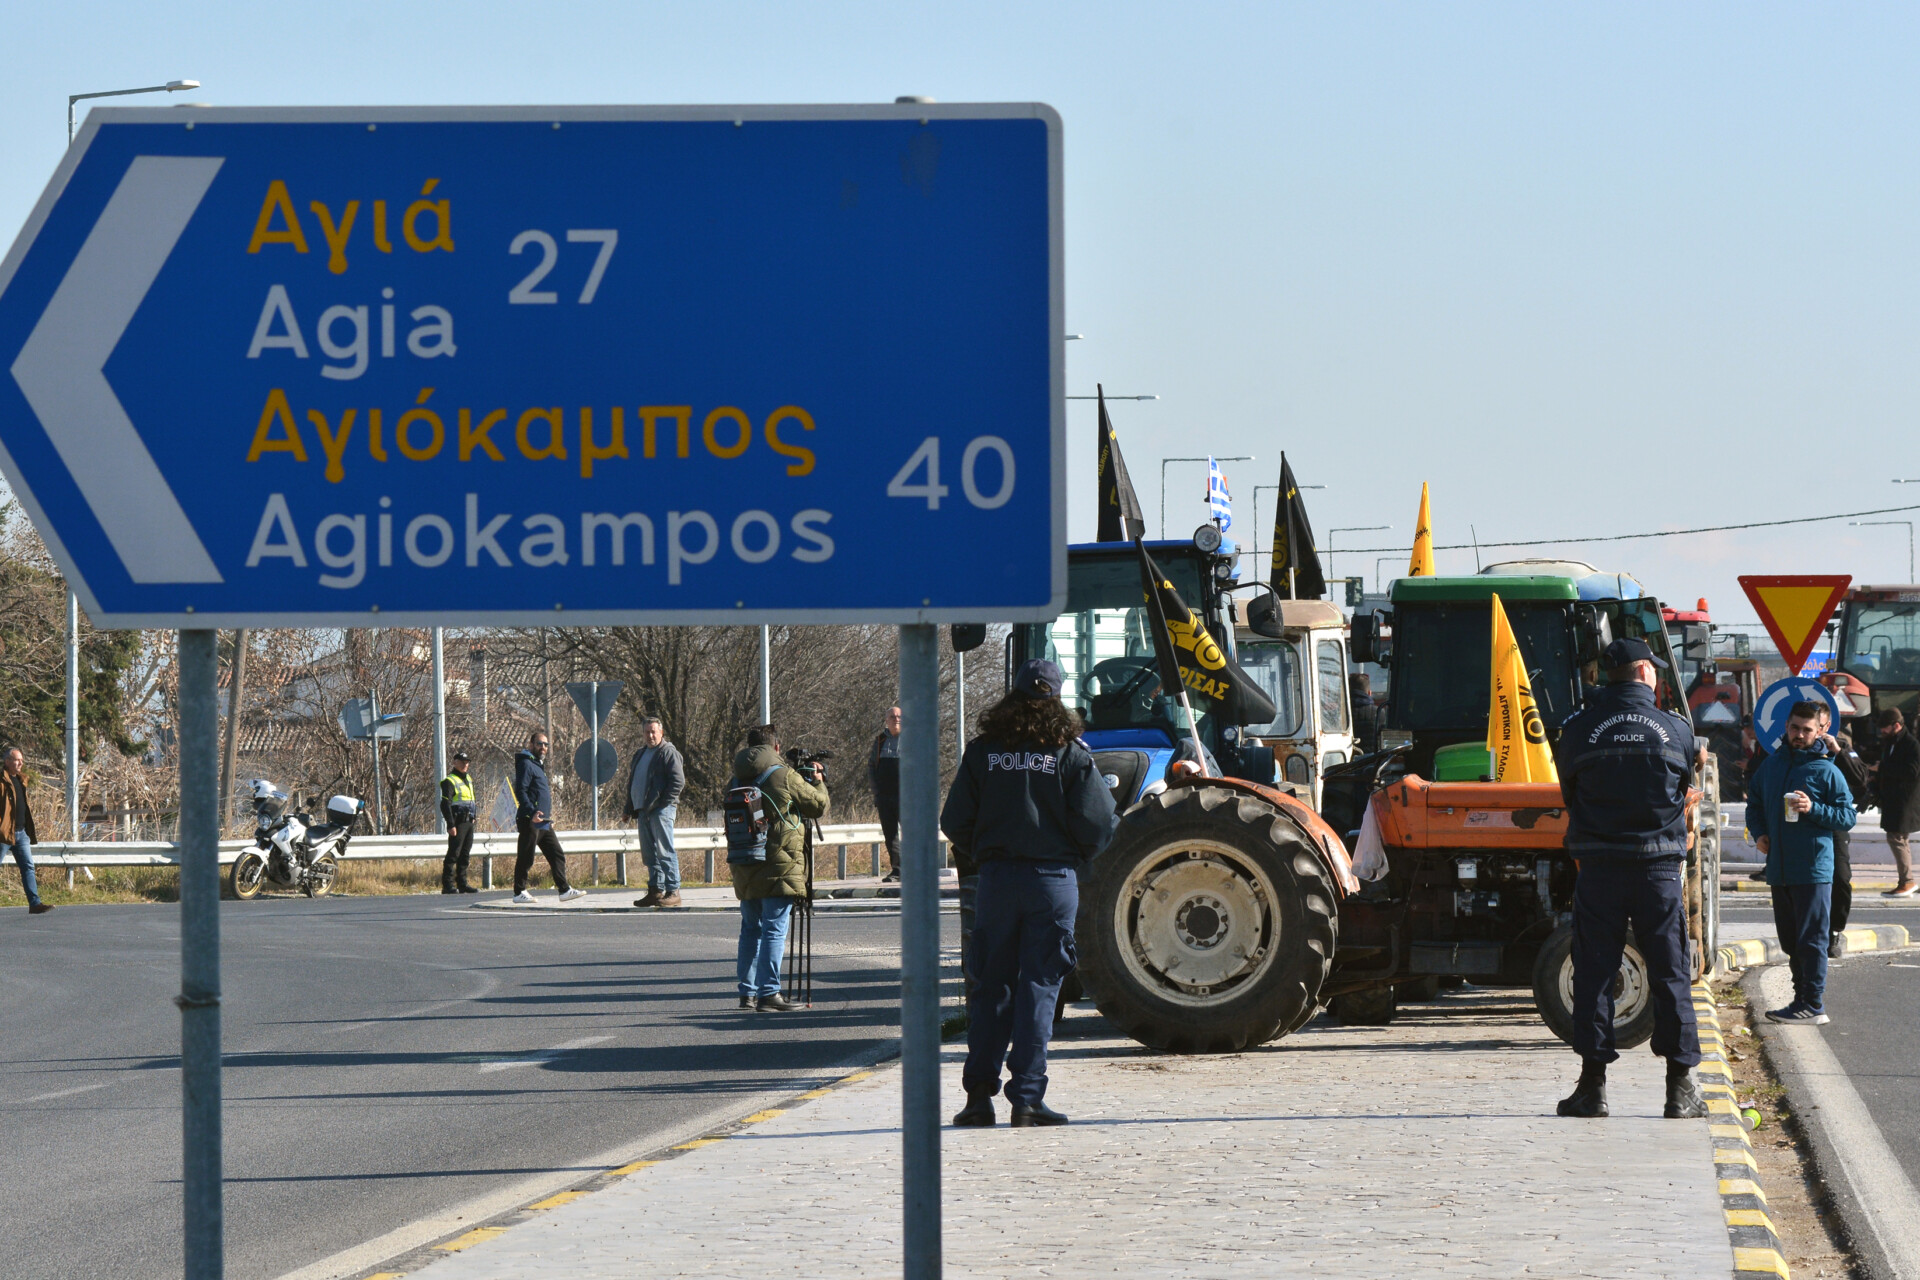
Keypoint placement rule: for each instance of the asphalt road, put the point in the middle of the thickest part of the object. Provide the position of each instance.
(1871, 998)
(388, 1058)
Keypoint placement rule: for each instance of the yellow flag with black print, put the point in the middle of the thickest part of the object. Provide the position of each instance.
(1516, 735)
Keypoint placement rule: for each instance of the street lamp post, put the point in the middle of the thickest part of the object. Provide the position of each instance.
(1909, 525)
(1257, 491)
(171, 86)
(1163, 479)
(1376, 570)
(1348, 528)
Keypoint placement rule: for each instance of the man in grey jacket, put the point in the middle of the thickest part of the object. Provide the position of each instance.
(654, 784)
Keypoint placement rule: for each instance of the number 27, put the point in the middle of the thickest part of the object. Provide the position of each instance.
(524, 292)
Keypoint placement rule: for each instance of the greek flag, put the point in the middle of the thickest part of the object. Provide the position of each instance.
(1219, 501)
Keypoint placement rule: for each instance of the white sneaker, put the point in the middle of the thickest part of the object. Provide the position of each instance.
(569, 895)
(523, 899)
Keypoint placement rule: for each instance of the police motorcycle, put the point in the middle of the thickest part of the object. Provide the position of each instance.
(290, 850)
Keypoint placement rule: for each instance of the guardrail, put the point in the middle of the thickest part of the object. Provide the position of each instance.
(710, 841)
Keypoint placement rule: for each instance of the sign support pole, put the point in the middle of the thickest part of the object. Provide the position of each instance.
(73, 723)
(766, 676)
(594, 727)
(373, 740)
(439, 715)
(920, 948)
(199, 997)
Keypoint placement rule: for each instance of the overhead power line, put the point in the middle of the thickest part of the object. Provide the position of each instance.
(1628, 537)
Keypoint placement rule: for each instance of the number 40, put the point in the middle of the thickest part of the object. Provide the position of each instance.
(927, 458)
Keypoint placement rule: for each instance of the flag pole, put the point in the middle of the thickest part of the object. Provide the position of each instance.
(1193, 732)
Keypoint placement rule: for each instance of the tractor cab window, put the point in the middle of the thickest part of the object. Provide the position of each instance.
(1442, 665)
(1102, 645)
(1882, 643)
(1275, 665)
(1333, 687)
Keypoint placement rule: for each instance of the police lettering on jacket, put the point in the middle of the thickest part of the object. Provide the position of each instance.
(1033, 761)
(1625, 766)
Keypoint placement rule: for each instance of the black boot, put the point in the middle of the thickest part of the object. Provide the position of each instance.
(1589, 1097)
(977, 1114)
(1684, 1100)
(1038, 1114)
(446, 879)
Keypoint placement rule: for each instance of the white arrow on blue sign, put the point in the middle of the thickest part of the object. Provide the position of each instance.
(366, 367)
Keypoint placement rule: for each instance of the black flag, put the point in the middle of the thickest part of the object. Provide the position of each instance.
(1187, 656)
(1121, 519)
(1296, 565)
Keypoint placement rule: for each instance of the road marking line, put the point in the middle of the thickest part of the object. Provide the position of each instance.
(759, 1116)
(821, 1093)
(476, 1236)
(858, 1075)
(541, 1056)
(66, 1093)
(696, 1144)
(635, 1167)
(555, 1201)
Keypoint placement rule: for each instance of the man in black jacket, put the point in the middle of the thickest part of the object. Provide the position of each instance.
(654, 784)
(883, 775)
(1625, 766)
(534, 818)
(1028, 807)
(1896, 789)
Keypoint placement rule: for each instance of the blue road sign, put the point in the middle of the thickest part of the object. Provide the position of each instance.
(566, 365)
(1777, 699)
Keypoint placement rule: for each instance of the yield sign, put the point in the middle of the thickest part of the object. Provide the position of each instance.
(1794, 608)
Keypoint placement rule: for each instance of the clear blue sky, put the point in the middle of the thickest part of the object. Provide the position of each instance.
(1586, 269)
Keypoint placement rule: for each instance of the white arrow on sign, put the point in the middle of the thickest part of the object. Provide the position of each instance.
(61, 369)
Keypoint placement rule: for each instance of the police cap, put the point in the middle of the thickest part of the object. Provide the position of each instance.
(459, 755)
(1624, 653)
(1038, 678)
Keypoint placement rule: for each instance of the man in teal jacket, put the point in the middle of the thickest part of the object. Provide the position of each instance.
(1795, 803)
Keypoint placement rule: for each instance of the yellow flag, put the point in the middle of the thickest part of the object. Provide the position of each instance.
(1516, 735)
(1422, 566)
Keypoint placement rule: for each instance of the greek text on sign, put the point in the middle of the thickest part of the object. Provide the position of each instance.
(380, 367)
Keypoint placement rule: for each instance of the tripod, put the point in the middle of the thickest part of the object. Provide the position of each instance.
(800, 943)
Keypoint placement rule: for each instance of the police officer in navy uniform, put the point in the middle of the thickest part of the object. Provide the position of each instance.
(1625, 766)
(1027, 808)
(457, 807)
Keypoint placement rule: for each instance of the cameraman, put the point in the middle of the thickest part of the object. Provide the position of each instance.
(767, 890)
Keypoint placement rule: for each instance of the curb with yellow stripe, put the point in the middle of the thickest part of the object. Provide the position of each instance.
(1749, 952)
(1756, 1242)
(478, 1235)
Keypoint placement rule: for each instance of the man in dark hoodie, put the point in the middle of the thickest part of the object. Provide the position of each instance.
(1797, 801)
(768, 889)
(534, 818)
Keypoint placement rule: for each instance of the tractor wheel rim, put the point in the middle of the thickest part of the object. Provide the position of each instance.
(1631, 989)
(1197, 922)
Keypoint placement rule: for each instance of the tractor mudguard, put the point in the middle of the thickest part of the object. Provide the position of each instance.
(1326, 841)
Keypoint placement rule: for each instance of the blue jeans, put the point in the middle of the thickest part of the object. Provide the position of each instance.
(763, 944)
(1800, 916)
(656, 850)
(1022, 950)
(22, 847)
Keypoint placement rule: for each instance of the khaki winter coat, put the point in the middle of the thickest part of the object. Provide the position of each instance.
(784, 873)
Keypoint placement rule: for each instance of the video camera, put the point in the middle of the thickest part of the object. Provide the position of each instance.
(801, 758)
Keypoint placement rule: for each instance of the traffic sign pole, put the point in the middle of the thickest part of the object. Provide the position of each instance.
(439, 717)
(920, 948)
(199, 997)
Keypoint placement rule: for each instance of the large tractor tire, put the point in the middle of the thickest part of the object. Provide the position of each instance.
(1208, 925)
(1632, 992)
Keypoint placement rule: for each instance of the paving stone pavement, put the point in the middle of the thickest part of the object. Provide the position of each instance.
(1427, 1148)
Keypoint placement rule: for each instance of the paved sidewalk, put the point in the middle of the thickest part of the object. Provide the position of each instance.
(1427, 1147)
